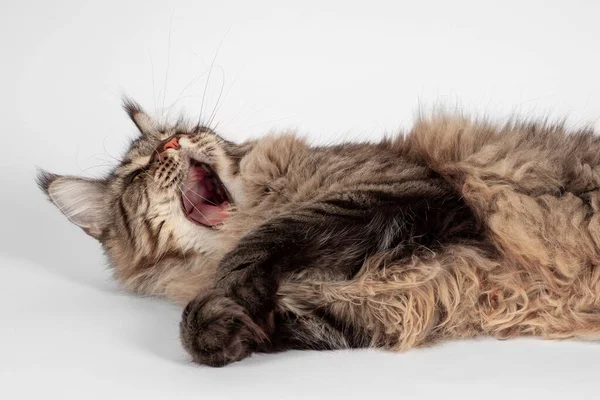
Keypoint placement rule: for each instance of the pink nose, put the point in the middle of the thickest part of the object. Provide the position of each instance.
(172, 144)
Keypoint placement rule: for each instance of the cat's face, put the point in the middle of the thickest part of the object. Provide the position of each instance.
(174, 188)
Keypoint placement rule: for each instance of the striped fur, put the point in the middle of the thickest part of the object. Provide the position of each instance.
(459, 228)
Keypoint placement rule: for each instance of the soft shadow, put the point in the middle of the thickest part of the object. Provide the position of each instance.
(158, 330)
(35, 230)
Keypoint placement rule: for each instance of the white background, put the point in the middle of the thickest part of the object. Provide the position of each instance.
(333, 71)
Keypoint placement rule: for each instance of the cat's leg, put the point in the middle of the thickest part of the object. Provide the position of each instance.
(332, 237)
(237, 317)
(216, 331)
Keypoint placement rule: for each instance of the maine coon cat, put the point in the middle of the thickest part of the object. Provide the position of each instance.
(457, 229)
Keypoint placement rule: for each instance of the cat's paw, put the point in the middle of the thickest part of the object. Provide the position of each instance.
(216, 331)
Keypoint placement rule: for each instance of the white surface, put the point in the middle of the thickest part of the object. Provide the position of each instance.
(333, 70)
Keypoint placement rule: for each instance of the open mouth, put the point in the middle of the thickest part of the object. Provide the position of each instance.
(204, 198)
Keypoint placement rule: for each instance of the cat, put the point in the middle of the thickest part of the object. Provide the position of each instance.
(459, 228)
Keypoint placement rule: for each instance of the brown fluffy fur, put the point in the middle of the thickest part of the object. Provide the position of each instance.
(536, 189)
(533, 189)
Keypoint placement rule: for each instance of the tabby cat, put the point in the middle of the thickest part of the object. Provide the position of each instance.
(457, 229)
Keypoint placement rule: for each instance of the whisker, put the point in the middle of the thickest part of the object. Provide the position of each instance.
(197, 194)
(190, 83)
(218, 106)
(97, 156)
(153, 84)
(150, 175)
(208, 78)
(84, 170)
(168, 65)
(233, 116)
(212, 114)
(113, 93)
(183, 194)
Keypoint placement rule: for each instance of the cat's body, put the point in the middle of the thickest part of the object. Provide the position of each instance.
(458, 229)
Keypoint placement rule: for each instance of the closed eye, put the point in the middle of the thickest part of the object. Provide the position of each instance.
(136, 175)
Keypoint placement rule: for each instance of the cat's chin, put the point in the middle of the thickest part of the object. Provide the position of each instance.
(204, 198)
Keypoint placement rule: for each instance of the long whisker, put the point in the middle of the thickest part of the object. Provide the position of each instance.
(218, 105)
(150, 175)
(120, 161)
(208, 77)
(84, 170)
(153, 84)
(97, 156)
(168, 64)
(232, 117)
(189, 84)
(183, 194)
(212, 114)
(197, 194)
(111, 92)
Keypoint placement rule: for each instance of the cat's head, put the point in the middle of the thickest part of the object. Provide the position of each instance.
(167, 198)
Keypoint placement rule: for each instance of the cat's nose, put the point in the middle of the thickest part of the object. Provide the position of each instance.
(172, 143)
(161, 149)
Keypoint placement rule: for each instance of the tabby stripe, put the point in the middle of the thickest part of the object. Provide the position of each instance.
(159, 230)
(126, 220)
(151, 234)
(146, 197)
(328, 212)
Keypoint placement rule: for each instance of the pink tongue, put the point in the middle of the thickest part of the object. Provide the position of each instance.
(208, 215)
(197, 207)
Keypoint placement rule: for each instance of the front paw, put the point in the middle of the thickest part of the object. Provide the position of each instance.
(216, 331)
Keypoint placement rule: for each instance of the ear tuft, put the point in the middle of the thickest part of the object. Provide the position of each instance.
(142, 121)
(131, 107)
(44, 179)
(81, 200)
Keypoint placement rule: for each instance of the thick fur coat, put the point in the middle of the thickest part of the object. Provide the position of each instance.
(456, 229)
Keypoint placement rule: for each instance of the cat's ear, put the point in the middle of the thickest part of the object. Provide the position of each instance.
(81, 200)
(144, 123)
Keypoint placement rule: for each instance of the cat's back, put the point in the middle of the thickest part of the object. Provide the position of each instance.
(537, 154)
